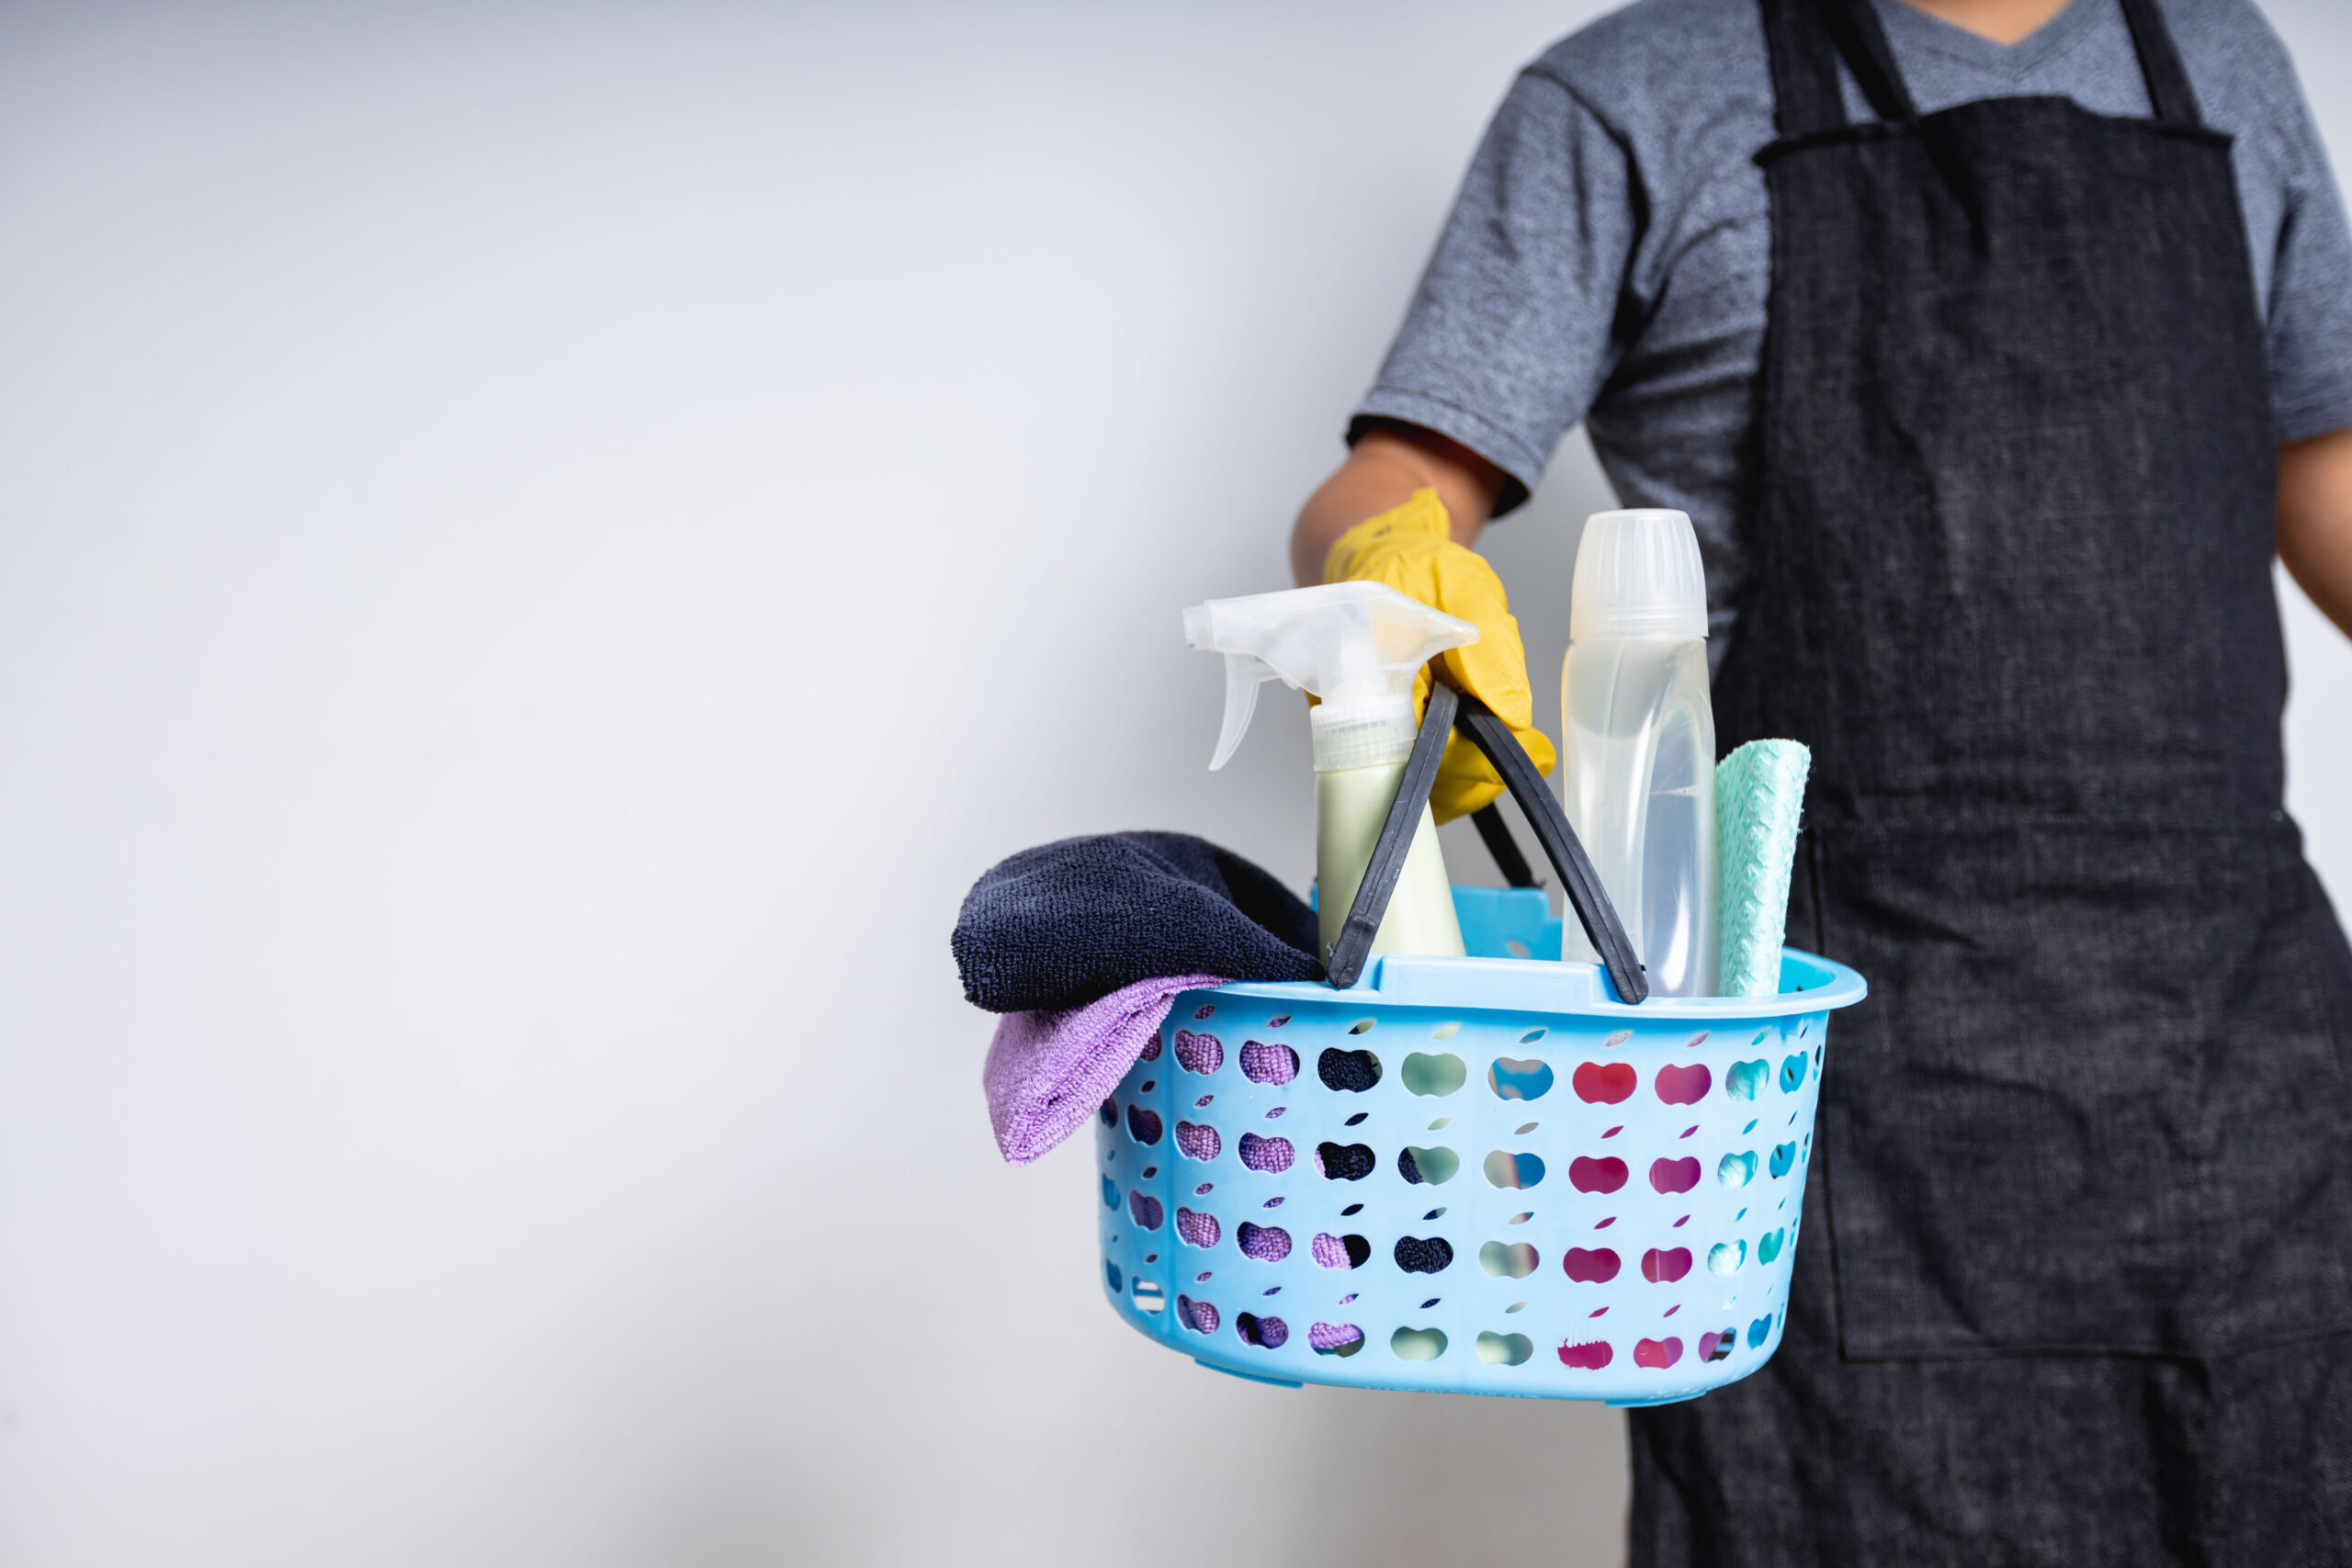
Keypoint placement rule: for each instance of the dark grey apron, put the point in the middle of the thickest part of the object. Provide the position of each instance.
(2012, 583)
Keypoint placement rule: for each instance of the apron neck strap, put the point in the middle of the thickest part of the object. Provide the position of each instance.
(1808, 38)
(2168, 88)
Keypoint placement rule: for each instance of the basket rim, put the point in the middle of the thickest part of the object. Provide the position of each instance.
(1555, 986)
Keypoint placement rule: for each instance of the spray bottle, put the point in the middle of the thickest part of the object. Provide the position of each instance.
(1640, 786)
(1358, 646)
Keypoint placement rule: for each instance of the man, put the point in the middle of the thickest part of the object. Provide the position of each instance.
(1994, 347)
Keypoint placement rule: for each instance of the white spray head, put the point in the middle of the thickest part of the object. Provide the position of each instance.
(1358, 646)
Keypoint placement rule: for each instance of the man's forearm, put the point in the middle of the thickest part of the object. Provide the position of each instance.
(1383, 471)
(2315, 522)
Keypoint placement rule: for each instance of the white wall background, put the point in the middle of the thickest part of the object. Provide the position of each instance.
(540, 552)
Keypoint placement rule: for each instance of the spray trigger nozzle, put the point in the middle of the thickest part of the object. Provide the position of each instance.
(1356, 646)
(1244, 674)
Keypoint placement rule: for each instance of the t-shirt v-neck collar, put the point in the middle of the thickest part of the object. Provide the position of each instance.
(1909, 29)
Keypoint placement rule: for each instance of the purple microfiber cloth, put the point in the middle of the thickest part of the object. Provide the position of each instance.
(1047, 1071)
(1060, 925)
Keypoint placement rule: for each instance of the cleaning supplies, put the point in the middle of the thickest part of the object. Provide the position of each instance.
(1760, 793)
(1640, 737)
(1356, 646)
(1047, 1072)
(1059, 926)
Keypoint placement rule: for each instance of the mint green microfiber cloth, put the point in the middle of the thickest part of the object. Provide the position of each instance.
(1759, 795)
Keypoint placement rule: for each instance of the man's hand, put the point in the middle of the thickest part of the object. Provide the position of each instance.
(2315, 521)
(1359, 528)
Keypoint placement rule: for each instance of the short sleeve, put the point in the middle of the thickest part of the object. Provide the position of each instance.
(2310, 291)
(1510, 335)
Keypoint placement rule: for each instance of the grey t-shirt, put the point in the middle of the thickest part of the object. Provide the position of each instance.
(1609, 256)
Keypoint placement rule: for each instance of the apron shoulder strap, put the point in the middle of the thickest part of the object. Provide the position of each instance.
(2169, 91)
(1806, 38)
(1806, 98)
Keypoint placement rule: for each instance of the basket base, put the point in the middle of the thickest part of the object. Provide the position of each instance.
(1246, 1377)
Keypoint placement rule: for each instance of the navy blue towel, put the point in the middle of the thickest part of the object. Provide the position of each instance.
(1068, 923)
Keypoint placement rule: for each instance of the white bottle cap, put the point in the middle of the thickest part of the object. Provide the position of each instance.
(1638, 574)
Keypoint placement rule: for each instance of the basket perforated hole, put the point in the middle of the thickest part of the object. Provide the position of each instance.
(1430, 1303)
(1508, 1260)
(1351, 1209)
(1507, 1169)
(1270, 1155)
(1198, 1140)
(1198, 1229)
(1340, 1251)
(1515, 1306)
(1436, 1166)
(1517, 948)
(1148, 1084)
(1277, 1021)
(1268, 1064)
(1418, 1343)
(1434, 1075)
(1205, 1010)
(1199, 1053)
(1347, 1072)
(1112, 1277)
(1589, 1174)
(1445, 1032)
(1266, 1244)
(1149, 1297)
(1110, 1114)
(1201, 1317)
(1591, 1266)
(1361, 1026)
(1681, 1085)
(1512, 1078)
(1523, 1129)
(1110, 1194)
(1266, 1333)
(1416, 1255)
(1522, 1217)
(1436, 1213)
(1441, 1124)
(1340, 1339)
(1531, 1037)
(1150, 1172)
(1617, 1039)
(1589, 1357)
(1504, 1349)
(1143, 1125)
(1725, 1257)
(1357, 1120)
(1204, 1189)
(1663, 1266)
(1146, 1211)
(1343, 1162)
(1736, 1169)
(1745, 1080)
(1674, 1175)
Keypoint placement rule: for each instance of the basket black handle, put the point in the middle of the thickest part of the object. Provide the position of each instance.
(1344, 964)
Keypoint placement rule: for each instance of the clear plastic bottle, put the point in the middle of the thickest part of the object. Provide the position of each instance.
(1639, 785)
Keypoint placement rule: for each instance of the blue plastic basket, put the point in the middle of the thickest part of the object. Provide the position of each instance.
(1544, 1193)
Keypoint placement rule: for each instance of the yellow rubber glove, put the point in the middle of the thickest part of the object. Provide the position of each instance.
(1411, 548)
